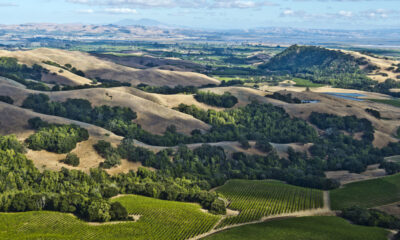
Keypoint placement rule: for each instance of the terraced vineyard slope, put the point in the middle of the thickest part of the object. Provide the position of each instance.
(256, 199)
(159, 219)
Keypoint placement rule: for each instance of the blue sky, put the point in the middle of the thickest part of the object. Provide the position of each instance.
(226, 14)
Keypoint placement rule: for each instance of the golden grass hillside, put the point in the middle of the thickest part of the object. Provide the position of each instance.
(94, 67)
(382, 63)
(152, 116)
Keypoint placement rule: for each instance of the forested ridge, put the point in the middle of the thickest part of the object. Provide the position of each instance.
(24, 188)
(325, 66)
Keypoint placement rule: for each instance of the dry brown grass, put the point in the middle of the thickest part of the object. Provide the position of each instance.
(344, 177)
(152, 116)
(382, 63)
(392, 209)
(169, 101)
(95, 67)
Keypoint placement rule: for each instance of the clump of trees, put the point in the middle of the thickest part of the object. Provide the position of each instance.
(67, 67)
(225, 100)
(54, 137)
(211, 165)
(390, 167)
(374, 113)
(350, 124)
(6, 99)
(263, 145)
(284, 97)
(80, 109)
(110, 154)
(342, 151)
(370, 217)
(254, 121)
(71, 159)
(10, 68)
(167, 90)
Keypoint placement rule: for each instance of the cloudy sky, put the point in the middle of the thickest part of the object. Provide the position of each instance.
(232, 14)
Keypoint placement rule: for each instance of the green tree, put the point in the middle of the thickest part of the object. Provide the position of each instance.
(99, 211)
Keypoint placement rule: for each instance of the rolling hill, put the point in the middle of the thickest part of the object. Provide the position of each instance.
(94, 67)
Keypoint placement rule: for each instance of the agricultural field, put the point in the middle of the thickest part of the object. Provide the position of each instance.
(256, 199)
(370, 193)
(393, 159)
(393, 102)
(304, 228)
(159, 219)
(305, 83)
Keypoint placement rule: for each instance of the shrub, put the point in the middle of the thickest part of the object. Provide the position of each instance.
(118, 212)
(374, 113)
(263, 145)
(218, 207)
(6, 99)
(111, 155)
(71, 159)
(244, 143)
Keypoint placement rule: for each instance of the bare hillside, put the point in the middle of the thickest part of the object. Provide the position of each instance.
(94, 67)
(383, 65)
(152, 116)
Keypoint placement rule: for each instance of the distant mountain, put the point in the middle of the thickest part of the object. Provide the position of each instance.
(141, 22)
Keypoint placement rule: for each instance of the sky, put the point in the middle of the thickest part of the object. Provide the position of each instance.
(210, 14)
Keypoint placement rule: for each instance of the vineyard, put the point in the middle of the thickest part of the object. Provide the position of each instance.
(369, 193)
(302, 228)
(167, 219)
(256, 199)
(159, 219)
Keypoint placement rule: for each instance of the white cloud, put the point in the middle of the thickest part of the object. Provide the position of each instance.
(241, 4)
(380, 13)
(87, 11)
(346, 13)
(288, 12)
(80, 1)
(177, 3)
(371, 14)
(120, 10)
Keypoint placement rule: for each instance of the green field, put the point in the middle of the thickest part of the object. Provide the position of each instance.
(393, 102)
(227, 79)
(159, 220)
(393, 158)
(305, 228)
(255, 199)
(370, 193)
(305, 83)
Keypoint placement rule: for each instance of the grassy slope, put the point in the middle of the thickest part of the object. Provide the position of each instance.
(370, 193)
(255, 199)
(306, 228)
(393, 102)
(306, 83)
(159, 220)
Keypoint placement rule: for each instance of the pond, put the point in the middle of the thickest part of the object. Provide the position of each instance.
(348, 96)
